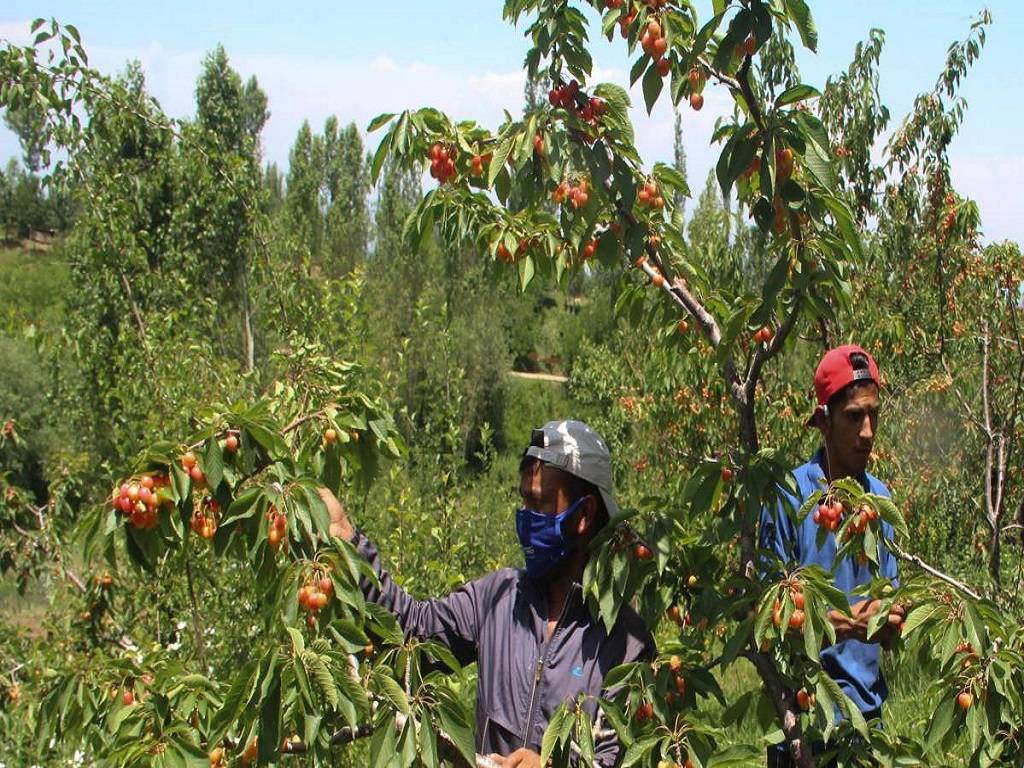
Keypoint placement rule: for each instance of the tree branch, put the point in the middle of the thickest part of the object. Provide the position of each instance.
(915, 560)
(197, 627)
(766, 353)
(135, 307)
(783, 707)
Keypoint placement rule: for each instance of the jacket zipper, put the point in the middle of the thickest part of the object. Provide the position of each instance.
(541, 662)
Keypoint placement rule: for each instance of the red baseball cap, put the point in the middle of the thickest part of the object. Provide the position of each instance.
(836, 371)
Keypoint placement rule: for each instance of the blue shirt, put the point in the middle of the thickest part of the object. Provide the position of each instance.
(854, 665)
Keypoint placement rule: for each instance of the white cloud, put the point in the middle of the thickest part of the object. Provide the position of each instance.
(18, 32)
(303, 87)
(383, 64)
(994, 183)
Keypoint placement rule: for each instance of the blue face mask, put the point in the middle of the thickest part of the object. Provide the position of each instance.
(544, 545)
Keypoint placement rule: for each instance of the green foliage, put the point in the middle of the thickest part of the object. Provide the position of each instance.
(194, 277)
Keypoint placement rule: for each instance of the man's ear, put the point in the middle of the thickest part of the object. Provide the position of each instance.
(587, 516)
(821, 418)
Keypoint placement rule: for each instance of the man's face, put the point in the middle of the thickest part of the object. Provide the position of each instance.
(543, 488)
(850, 431)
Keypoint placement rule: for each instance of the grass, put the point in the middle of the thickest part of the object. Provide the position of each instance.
(31, 286)
(23, 611)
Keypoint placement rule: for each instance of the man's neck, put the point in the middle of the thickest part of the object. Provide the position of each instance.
(558, 587)
(833, 473)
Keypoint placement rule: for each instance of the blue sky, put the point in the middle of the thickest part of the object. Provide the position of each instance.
(358, 59)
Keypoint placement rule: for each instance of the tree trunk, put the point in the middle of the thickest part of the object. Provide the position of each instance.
(247, 334)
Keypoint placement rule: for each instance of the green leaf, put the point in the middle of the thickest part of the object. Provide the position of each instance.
(213, 464)
(383, 744)
(817, 161)
(321, 674)
(454, 723)
(670, 176)
(298, 644)
(381, 155)
(652, 86)
(551, 735)
(736, 756)
(379, 121)
(270, 717)
(526, 272)
(795, 94)
(798, 11)
(391, 691)
(243, 507)
(940, 723)
(638, 750)
(428, 742)
(499, 157)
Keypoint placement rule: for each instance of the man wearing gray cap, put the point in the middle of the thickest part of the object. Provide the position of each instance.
(535, 642)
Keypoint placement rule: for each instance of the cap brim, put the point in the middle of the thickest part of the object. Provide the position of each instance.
(614, 512)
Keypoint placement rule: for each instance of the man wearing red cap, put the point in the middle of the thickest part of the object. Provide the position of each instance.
(847, 386)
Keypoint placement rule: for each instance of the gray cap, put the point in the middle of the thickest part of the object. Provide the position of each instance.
(575, 448)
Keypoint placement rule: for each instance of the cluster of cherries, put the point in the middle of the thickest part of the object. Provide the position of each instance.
(588, 250)
(655, 45)
(675, 664)
(650, 197)
(950, 217)
(805, 700)
(829, 514)
(566, 96)
(624, 21)
(576, 194)
(763, 334)
(673, 764)
(315, 594)
(784, 164)
(442, 162)
(865, 516)
(477, 163)
(140, 499)
(797, 618)
(277, 537)
(693, 77)
(218, 758)
(204, 519)
(191, 465)
(503, 254)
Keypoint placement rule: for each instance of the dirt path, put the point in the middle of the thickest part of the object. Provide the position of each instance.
(552, 377)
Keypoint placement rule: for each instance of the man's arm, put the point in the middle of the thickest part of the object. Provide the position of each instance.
(452, 620)
(855, 626)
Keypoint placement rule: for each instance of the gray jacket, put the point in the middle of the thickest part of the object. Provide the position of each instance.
(500, 622)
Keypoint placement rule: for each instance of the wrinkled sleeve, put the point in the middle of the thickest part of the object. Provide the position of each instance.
(607, 747)
(453, 620)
